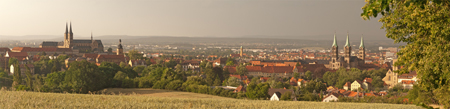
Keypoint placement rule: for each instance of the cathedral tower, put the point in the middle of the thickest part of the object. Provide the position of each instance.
(68, 37)
(347, 52)
(362, 52)
(334, 49)
(241, 53)
(120, 48)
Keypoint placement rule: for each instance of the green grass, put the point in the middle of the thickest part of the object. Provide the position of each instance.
(25, 100)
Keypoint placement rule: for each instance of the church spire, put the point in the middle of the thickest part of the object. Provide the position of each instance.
(347, 43)
(66, 29)
(362, 43)
(334, 41)
(70, 28)
(92, 38)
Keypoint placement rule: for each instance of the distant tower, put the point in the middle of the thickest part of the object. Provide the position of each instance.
(92, 38)
(347, 52)
(334, 49)
(66, 37)
(241, 53)
(69, 37)
(362, 52)
(119, 48)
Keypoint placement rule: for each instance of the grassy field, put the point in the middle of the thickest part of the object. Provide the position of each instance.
(25, 100)
(160, 93)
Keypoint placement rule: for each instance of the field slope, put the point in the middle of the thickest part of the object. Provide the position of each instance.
(160, 93)
(21, 100)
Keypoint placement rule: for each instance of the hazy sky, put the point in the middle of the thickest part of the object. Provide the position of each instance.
(222, 18)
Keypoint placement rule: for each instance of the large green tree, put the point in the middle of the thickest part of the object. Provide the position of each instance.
(424, 26)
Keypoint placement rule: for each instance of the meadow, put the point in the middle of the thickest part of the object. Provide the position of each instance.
(21, 100)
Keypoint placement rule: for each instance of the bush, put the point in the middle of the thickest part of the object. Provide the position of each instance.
(160, 84)
(174, 85)
(22, 87)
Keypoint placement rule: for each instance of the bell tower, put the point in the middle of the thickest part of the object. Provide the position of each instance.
(347, 53)
(120, 48)
(362, 52)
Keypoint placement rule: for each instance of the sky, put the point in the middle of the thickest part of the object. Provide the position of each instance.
(193, 18)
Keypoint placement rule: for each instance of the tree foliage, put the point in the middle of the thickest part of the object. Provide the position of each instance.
(424, 26)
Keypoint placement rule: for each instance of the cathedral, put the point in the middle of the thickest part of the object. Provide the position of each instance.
(80, 45)
(347, 61)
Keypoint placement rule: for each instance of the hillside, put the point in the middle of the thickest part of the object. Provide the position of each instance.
(160, 93)
(20, 100)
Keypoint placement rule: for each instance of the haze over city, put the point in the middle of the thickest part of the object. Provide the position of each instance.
(196, 18)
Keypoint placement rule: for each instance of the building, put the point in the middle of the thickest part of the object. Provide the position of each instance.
(359, 84)
(347, 86)
(331, 97)
(110, 58)
(347, 61)
(84, 45)
(134, 63)
(279, 92)
(23, 69)
(275, 96)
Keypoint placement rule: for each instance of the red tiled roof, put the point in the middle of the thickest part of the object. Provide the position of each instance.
(408, 81)
(240, 89)
(29, 49)
(102, 56)
(90, 55)
(368, 80)
(4, 49)
(17, 54)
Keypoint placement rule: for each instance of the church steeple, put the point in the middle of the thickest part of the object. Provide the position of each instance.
(66, 29)
(334, 41)
(120, 48)
(362, 43)
(347, 43)
(92, 38)
(70, 28)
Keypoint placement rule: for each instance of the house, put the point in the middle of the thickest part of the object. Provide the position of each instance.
(331, 97)
(110, 58)
(134, 63)
(275, 96)
(281, 91)
(347, 86)
(293, 81)
(23, 69)
(220, 62)
(21, 56)
(359, 84)
(301, 82)
(407, 84)
(191, 65)
(240, 89)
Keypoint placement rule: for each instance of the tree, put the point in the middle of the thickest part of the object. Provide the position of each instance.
(308, 75)
(423, 25)
(241, 70)
(110, 50)
(13, 61)
(286, 96)
(17, 74)
(29, 79)
(230, 62)
(233, 81)
(330, 78)
(296, 75)
(135, 55)
(81, 77)
(298, 64)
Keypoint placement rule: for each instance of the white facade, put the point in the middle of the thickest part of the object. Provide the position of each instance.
(274, 98)
(330, 98)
